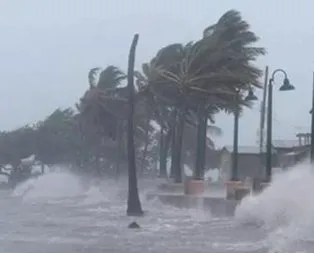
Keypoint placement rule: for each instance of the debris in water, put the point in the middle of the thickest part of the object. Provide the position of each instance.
(134, 225)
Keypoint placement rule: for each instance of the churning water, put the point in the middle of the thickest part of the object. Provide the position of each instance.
(60, 212)
(285, 210)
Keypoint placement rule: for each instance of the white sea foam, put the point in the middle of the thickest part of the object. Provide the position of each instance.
(285, 208)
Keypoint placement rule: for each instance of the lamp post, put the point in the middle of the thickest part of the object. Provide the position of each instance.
(285, 87)
(312, 126)
(249, 97)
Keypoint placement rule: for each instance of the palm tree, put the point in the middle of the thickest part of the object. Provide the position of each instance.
(134, 205)
(235, 39)
(102, 108)
(159, 111)
(102, 104)
(203, 77)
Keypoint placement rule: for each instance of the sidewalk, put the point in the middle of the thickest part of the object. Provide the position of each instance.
(213, 200)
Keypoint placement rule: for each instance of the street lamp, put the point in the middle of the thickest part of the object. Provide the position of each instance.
(249, 97)
(286, 86)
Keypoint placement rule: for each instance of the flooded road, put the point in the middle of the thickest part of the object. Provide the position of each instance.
(56, 214)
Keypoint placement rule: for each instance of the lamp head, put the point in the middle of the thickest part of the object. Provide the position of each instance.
(251, 96)
(286, 85)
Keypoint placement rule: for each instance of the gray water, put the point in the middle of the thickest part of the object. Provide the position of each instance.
(57, 213)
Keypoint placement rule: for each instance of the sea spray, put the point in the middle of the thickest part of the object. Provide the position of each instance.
(285, 209)
(50, 185)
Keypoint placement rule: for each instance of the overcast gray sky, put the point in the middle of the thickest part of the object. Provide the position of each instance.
(48, 46)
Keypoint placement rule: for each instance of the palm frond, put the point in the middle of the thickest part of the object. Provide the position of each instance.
(220, 62)
(92, 76)
(214, 130)
(110, 77)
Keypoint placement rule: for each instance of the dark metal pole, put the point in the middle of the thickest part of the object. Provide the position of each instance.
(269, 131)
(312, 126)
(234, 176)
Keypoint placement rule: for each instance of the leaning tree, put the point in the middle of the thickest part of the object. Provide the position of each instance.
(203, 78)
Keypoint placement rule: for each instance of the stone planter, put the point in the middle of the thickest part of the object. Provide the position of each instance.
(259, 186)
(264, 185)
(241, 192)
(194, 187)
(256, 187)
(231, 187)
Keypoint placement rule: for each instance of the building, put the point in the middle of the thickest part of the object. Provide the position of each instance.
(291, 152)
(251, 162)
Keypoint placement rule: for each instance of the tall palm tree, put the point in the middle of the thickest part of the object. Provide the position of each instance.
(236, 54)
(203, 77)
(134, 207)
(164, 113)
(159, 111)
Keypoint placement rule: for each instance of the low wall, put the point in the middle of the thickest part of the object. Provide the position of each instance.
(216, 206)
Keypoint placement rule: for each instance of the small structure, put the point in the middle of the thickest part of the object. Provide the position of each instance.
(251, 162)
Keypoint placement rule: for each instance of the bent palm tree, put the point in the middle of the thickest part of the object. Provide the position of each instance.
(102, 107)
(203, 77)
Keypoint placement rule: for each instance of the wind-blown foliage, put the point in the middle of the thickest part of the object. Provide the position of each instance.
(203, 77)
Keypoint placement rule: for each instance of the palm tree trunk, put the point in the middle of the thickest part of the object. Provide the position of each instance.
(119, 149)
(145, 146)
(42, 167)
(162, 154)
(134, 205)
(173, 144)
(97, 162)
(201, 144)
(173, 153)
(167, 149)
(178, 147)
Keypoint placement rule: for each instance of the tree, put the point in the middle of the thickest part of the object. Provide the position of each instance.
(203, 77)
(57, 137)
(104, 103)
(182, 88)
(102, 111)
(234, 52)
(134, 205)
(53, 140)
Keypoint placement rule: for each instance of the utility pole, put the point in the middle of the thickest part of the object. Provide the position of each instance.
(263, 107)
(312, 125)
